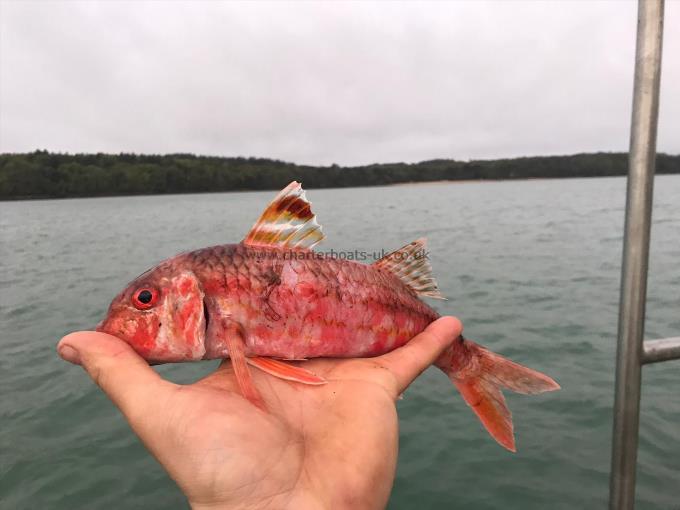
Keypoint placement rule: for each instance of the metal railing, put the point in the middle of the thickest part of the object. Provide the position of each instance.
(632, 352)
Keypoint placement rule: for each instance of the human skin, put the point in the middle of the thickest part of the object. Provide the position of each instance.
(316, 447)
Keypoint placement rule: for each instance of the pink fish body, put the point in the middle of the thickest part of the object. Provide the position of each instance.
(272, 298)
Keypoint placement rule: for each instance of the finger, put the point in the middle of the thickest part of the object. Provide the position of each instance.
(409, 361)
(117, 369)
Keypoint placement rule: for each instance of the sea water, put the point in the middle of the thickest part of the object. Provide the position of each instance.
(531, 267)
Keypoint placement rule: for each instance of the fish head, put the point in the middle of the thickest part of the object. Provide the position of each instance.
(161, 315)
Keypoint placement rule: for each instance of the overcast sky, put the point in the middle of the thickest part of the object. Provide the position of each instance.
(322, 83)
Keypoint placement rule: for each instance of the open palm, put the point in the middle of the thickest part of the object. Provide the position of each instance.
(329, 446)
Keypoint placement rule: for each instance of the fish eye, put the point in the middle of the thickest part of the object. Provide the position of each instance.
(144, 298)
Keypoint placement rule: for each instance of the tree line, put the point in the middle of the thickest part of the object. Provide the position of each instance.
(43, 174)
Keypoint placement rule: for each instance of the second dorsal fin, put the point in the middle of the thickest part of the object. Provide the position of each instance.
(409, 263)
(287, 222)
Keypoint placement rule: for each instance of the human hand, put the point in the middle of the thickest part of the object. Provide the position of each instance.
(330, 446)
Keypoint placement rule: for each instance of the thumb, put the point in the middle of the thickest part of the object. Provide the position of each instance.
(117, 369)
(410, 360)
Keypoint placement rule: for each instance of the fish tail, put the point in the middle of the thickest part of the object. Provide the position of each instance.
(479, 375)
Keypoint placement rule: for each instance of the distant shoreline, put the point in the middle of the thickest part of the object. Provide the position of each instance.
(467, 181)
(394, 184)
(42, 175)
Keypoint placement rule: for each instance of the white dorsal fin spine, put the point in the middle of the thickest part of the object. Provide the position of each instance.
(410, 264)
(287, 222)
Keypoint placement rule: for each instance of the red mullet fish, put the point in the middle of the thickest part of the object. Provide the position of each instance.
(270, 298)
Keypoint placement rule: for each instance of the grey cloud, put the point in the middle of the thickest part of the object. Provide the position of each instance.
(319, 83)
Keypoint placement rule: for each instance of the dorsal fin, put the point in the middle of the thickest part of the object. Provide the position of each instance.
(287, 222)
(409, 263)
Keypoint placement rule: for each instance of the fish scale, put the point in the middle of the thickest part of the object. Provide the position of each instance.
(385, 313)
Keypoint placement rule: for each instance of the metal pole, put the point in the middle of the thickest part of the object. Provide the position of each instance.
(666, 349)
(636, 254)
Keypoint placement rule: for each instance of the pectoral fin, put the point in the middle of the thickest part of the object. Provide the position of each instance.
(236, 348)
(286, 371)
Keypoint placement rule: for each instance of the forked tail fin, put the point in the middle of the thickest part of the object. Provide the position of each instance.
(479, 375)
